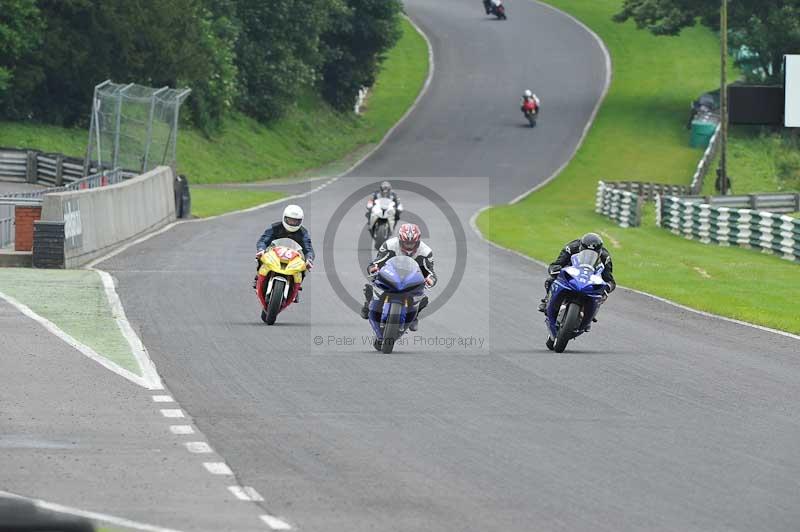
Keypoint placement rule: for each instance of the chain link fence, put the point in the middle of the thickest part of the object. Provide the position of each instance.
(134, 127)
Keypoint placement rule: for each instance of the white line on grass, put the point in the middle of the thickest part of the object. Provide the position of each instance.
(138, 349)
(94, 516)
(82, 348)
(274, 523)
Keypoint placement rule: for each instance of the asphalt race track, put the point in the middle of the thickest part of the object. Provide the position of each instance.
(660, 419)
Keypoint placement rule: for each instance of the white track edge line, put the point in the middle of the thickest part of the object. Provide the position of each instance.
(370, 153)
(72, 342)
(607, 86)
(138, 349)
(95, 516)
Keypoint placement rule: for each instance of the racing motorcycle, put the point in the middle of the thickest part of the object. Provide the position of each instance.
(279, 277)
(574, 299)
(495, 8)
(398, 290)
(531, 112)
(381, 220)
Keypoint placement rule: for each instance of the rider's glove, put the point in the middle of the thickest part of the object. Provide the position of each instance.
(259, 253)
(430, 281)
(373, 268)
(309, 264)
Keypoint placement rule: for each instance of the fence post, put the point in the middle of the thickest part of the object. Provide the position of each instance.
(31, 167)
(59, 170)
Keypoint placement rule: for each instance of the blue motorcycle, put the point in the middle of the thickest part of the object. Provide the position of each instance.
(574, 299)
(398, 289)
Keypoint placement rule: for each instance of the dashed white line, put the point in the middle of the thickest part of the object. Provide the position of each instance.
(218, 468)
(172, 412)
(163, 399)
(274, 523)
(181, 429)
(245, 493)
(198, 447)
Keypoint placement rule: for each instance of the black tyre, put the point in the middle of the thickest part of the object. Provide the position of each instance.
(391, 330)
(264, 316)
(565, 332)
(378, 345)
(381, 233)
(275, 300)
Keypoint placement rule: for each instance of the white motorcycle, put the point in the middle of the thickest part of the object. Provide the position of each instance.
(382, 220)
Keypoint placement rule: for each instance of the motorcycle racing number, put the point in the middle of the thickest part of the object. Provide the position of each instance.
(285, 253)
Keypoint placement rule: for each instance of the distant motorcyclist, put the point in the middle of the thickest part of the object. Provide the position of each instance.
(408, 242)
(291, 226)
(491, 5)
(530, 102)
(385, 191)
(590, 241)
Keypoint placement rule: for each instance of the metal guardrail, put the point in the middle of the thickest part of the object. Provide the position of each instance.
(36, 167)
(622, 206)
(769, 232)
(777, 203)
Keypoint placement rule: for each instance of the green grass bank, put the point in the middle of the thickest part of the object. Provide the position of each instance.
(639, 134)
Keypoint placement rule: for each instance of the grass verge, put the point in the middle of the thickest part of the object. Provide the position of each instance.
(214, 201)
(76, 302)
(310, 135)
(639, 135)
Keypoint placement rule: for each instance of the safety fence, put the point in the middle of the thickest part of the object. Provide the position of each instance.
(36, 167)
(622, 206)
(770, 232)
(777, 203)
(6, 225)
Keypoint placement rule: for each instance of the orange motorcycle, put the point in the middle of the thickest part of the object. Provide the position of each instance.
(279, 277)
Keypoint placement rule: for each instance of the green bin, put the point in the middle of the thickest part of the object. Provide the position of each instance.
(702, 131)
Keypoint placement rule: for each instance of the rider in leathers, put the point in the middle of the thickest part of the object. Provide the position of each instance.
(408, 243)
(385, 192)
(590, 241)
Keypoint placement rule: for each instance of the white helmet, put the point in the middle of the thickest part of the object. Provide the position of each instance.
(527, 94)
(292, 218)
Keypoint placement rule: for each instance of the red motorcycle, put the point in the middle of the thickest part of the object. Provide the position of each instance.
(495, 8)
(531, 111)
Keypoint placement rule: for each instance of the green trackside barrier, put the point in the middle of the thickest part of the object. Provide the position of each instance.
(702, 131)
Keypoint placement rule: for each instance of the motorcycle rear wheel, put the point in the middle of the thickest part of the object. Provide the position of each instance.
(391, 330)
(275, 300)
(565, 332)
(381, 233)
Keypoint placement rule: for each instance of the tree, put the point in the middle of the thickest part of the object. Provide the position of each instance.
(358, 35)
(278, 52)
(20, 32)
(767, 28)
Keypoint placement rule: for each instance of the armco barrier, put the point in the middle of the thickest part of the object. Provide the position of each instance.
(97, 220)
(33, 166)
(776, 203)
(622, 206)
(772, 233)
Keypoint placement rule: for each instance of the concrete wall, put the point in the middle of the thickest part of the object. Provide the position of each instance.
(99, 219)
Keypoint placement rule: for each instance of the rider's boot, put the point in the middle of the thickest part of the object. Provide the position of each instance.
(367, 300)
(543, 305)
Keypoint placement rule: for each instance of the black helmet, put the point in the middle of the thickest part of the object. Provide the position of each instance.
(591, 241)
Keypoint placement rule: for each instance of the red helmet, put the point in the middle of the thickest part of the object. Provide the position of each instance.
(409, 236)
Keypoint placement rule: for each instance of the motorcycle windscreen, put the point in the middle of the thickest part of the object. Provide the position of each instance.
(384, 203)
(587, 257)
(402, 273)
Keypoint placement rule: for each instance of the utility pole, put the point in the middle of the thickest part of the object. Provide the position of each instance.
(723, 95)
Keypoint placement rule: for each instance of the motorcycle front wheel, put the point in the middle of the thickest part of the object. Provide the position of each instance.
(391, 330)
(275, 300)
(567, 328)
